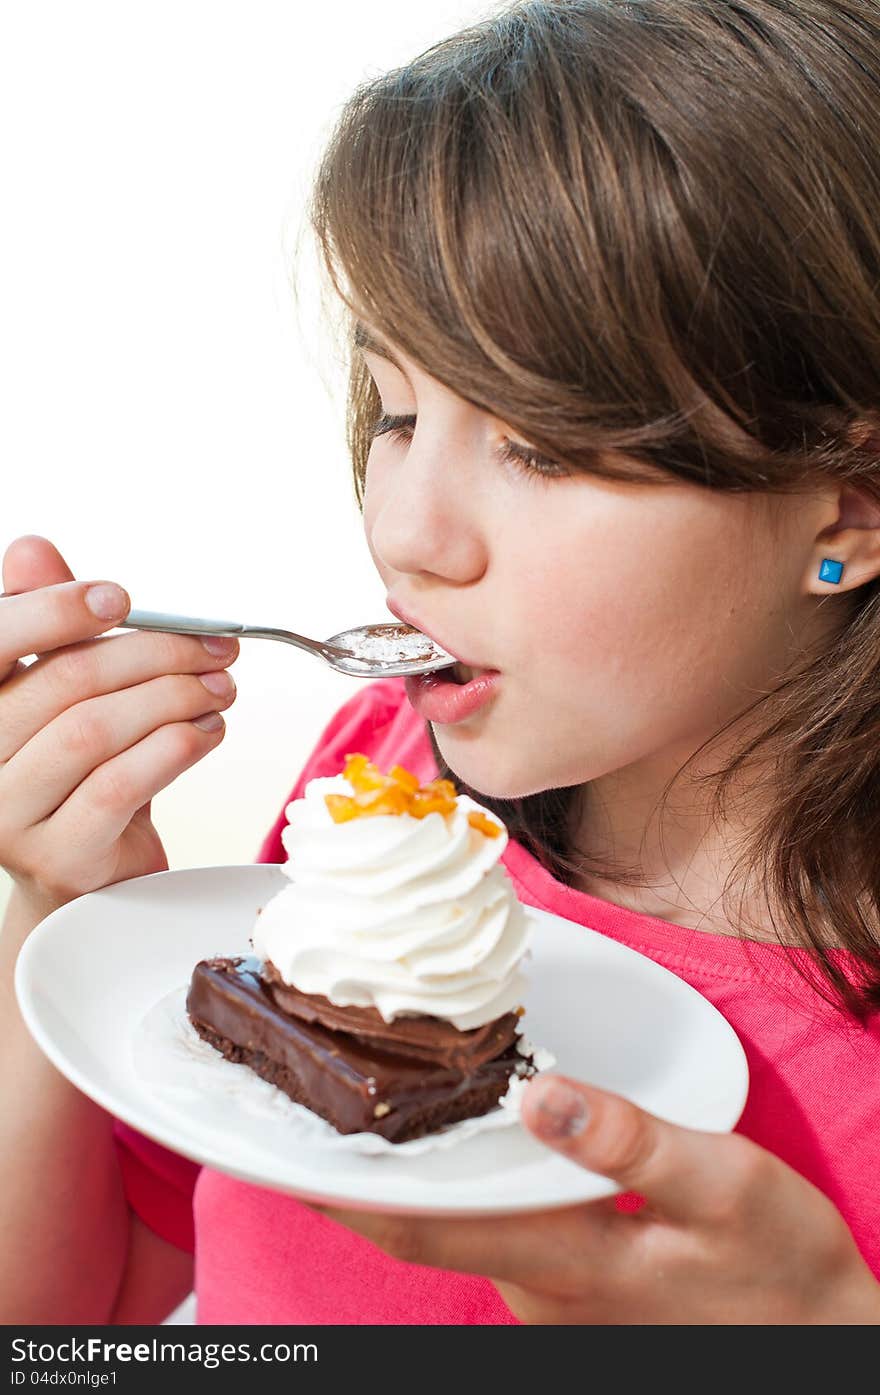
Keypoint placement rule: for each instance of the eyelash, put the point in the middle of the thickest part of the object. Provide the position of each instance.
(528, 462)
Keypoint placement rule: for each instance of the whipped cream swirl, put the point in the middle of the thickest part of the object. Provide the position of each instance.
(402, 914)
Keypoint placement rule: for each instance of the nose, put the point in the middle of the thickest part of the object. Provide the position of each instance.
(420, 515)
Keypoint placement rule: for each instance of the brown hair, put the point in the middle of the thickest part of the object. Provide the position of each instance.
(645, 235)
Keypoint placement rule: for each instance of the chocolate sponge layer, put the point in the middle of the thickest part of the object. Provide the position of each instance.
(346, 1079)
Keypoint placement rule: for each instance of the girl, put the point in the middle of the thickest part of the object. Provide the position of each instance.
(612, 275)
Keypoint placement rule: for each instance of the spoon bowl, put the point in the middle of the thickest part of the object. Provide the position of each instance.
(385, 650)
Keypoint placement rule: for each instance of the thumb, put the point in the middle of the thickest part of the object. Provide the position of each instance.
(31, 562)
(684, 1173)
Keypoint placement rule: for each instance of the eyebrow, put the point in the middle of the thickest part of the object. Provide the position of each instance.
(368, 343)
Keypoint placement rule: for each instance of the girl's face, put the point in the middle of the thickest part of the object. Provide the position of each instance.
(629, 622)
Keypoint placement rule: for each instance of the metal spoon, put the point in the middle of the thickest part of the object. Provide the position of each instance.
(365, 652)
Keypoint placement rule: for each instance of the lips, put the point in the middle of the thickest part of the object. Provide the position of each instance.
(439, 699)
(465, 669)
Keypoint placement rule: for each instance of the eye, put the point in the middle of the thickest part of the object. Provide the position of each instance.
(528, 461)
(532, 462)
(401, 428)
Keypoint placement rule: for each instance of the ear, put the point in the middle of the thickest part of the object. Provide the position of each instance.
(853, 539)
(857, 510)
(857, 507)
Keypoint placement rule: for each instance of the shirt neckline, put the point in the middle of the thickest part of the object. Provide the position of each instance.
(663, 939)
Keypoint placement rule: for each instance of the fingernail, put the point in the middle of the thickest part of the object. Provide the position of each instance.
(562, 1112)
(107, 601)
(211, 721)
(217, 646)
(218, 683)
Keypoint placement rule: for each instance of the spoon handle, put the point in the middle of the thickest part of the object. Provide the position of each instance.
(179, 624)
(196, 625)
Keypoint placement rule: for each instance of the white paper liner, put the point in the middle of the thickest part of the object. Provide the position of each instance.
(189, 1078)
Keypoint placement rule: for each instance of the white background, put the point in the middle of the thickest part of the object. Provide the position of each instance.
(172, 414)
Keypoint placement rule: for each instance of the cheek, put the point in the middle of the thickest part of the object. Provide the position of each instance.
(368, 514)
(622, 615)
(372, 503)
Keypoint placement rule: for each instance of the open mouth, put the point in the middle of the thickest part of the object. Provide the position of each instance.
(462, 673)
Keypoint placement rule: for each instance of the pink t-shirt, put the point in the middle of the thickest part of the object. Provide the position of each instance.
(263, 1257)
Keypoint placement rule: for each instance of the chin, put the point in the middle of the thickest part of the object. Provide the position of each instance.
(483, 772)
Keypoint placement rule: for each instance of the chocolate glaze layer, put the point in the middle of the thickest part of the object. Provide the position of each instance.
(421, 1038)
(350, 1081)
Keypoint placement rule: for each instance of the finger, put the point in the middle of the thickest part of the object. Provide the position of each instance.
(35, 622)
(56, 761)
(102, 807)
(38, 693)
(688, 1175)
(89, 824)
(31, 562)
(551, 1250)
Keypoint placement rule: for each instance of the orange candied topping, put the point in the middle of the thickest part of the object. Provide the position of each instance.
(405, 778)
(342, 807)
(398, 792)
(476, 819)
(390, 800)
(362, 774)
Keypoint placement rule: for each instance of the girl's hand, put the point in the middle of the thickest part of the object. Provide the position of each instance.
(729, 1234)
(92, 729)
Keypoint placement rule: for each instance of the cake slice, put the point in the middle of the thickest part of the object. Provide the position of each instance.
(383, 991)
(356, 1082)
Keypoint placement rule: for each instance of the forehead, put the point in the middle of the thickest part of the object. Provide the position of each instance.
(370, 341)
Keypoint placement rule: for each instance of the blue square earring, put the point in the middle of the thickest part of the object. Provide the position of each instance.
(831, 571)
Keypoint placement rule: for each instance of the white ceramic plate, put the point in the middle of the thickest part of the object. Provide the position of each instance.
(93, 971)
